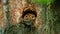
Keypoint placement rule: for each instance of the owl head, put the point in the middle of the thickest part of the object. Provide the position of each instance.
(29, 17)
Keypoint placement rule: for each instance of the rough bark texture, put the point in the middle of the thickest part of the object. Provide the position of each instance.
(3, 21)
(2, 15)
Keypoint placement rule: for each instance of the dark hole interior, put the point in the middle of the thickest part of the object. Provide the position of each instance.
(0, 1)
(29, 11)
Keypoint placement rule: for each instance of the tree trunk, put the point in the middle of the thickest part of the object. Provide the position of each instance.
(15, 9)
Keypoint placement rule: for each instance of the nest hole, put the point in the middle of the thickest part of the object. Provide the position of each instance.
(29, 11)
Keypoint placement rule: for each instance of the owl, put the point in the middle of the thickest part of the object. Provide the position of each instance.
(29, 21)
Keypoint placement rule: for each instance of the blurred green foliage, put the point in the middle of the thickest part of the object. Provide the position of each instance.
(44, 1)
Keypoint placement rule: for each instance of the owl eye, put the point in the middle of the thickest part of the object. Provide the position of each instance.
(25, 16)
(32, 16)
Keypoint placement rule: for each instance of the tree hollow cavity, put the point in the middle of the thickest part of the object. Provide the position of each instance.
(30, 12)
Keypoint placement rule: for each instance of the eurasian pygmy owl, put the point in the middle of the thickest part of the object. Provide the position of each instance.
(29, 17)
